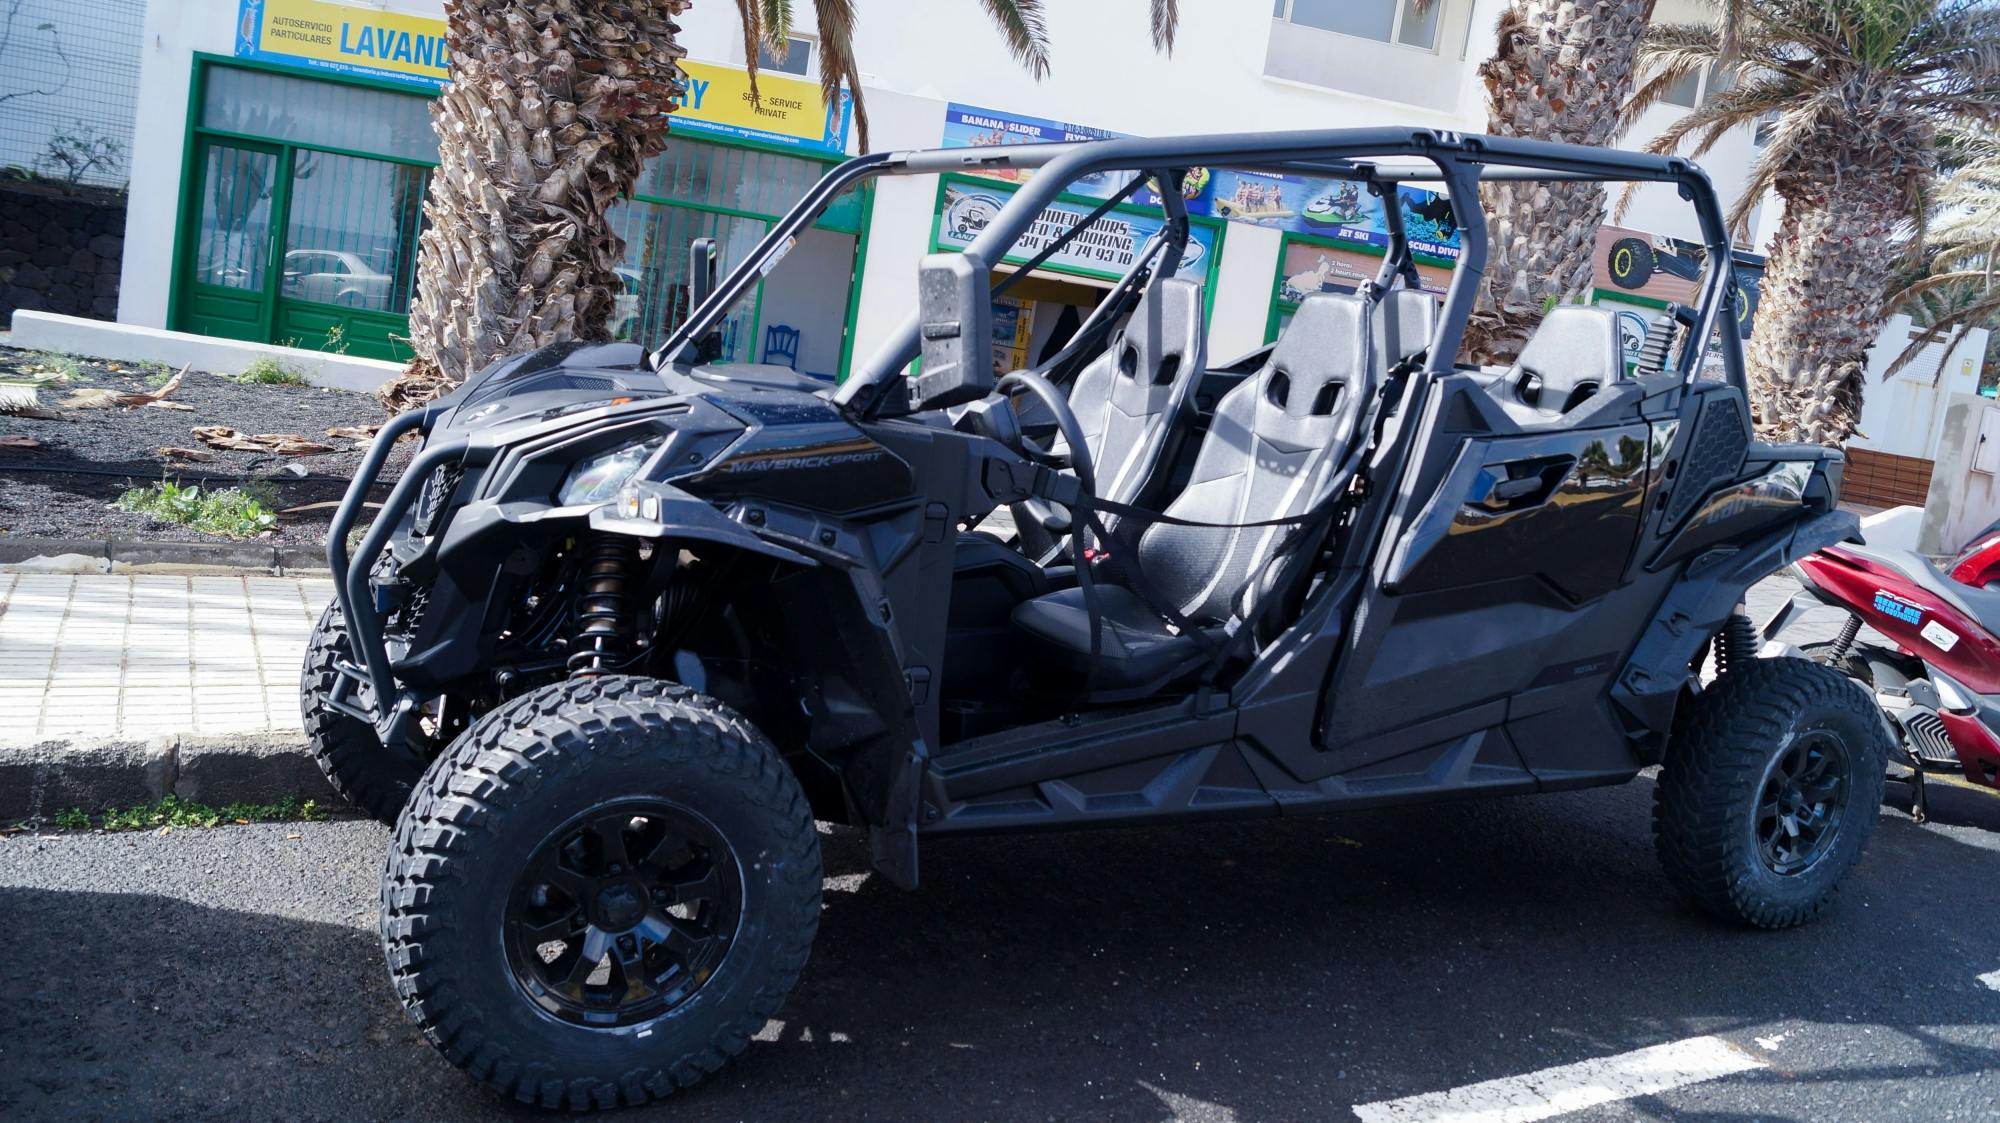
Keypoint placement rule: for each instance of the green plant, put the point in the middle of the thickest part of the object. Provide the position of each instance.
(336, 340)
(157, 373)
(172, 811)
(267, 371)
(55, 365)
(230, 512)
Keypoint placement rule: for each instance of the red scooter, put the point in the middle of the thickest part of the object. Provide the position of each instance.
(1938, 680)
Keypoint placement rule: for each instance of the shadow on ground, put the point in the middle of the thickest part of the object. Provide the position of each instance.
(1279, 970)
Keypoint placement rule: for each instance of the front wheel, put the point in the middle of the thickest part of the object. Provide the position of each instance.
(1769, 791)
(366, 772)
(600, 892)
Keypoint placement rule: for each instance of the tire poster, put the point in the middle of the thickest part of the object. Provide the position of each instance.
(1632, 263)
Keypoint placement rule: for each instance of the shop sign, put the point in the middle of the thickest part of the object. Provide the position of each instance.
(403, 48)
(789, 111)
(1105, 250)
(335, 37)
(1327, 208)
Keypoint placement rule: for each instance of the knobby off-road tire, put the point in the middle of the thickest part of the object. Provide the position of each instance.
(461, 867)
(1729, 757)
(364, 771)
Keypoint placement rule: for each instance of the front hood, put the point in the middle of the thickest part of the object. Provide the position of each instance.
(726, 433)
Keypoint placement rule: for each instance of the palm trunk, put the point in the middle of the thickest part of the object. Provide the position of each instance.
(1562, 71)
(553, 108)
(1822, 299)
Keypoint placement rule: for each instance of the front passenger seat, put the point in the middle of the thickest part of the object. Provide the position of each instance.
(1271, 452)
(1133, 401)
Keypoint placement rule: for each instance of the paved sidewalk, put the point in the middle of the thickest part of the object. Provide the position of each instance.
(130, 658)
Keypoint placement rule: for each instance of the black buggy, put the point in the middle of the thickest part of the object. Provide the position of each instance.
(629, 623)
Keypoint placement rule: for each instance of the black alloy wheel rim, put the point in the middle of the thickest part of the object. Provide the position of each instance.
(622, 914)
(1801, 802)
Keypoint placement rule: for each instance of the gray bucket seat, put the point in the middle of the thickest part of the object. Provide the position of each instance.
(1274, 443)
(1133, 402)
(1574, 353)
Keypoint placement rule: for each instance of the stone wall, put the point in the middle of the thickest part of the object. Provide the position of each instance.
(60, 249)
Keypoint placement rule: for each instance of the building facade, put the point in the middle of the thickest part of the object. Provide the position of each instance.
(283, 149)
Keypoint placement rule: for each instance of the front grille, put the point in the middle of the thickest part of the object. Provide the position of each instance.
(410, 613)
(1928, 738)
(435, 499)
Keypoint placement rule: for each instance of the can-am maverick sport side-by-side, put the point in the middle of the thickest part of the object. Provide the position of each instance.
(630, 622)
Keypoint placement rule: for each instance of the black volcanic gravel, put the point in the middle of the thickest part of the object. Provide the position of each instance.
(64, 489)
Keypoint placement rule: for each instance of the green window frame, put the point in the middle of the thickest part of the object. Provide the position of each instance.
(855, 223)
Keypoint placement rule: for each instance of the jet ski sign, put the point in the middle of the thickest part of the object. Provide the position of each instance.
(1104, 250)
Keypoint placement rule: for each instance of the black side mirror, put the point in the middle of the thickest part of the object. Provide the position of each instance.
(954, 330)
(701, 283)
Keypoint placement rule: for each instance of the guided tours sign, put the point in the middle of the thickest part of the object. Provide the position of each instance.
(1105, 250)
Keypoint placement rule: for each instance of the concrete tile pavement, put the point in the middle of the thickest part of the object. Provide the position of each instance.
(132, 657)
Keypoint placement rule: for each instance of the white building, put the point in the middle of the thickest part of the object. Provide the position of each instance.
(283, 147)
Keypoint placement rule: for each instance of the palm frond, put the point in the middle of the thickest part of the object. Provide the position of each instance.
(1167, 21)
(777, 21)
(836, 60)
(751, 13)
(1022, 24)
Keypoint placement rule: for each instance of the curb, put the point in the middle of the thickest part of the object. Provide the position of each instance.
(38, 780)
(90, 555)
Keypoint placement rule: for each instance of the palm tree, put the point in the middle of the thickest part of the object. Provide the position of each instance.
(1957, 285)
(1560, 71)
(1020, 22)
(1856, 93)
(553, 109)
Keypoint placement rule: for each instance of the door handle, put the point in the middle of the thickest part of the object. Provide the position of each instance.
(1520, 484)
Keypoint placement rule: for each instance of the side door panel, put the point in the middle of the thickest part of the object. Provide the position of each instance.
(1507, 597)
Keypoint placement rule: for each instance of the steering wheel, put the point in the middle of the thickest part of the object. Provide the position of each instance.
(1078, 462)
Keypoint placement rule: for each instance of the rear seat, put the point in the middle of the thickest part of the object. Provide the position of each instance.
(1574, 353)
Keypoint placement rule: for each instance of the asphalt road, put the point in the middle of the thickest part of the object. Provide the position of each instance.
(1268, 971)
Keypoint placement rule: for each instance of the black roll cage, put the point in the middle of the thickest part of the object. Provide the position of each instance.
(1458, 161)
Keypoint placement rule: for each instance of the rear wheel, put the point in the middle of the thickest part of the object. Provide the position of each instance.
(600, 892)
(1769, 791)
(363, 770)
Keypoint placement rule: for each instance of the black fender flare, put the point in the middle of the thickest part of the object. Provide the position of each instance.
(1709, 589)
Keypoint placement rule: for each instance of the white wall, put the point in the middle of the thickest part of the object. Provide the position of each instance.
(1904, 415)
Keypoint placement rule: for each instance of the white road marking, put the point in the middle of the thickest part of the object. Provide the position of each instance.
(1991, 979)
(1572, 1087)
(1770, 1044)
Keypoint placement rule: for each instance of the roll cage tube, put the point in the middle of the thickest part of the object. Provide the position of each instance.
(1327, 153)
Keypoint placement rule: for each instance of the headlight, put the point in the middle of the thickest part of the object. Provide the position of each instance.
(599, 478)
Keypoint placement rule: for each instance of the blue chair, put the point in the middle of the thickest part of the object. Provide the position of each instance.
(781, 344)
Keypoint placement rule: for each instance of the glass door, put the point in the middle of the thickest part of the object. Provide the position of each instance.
(230, 266)
(350, 254)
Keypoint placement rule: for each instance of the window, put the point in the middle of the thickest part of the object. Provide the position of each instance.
(1765, 125)
(1412, 23)
(1698, 87)
(797, 60)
